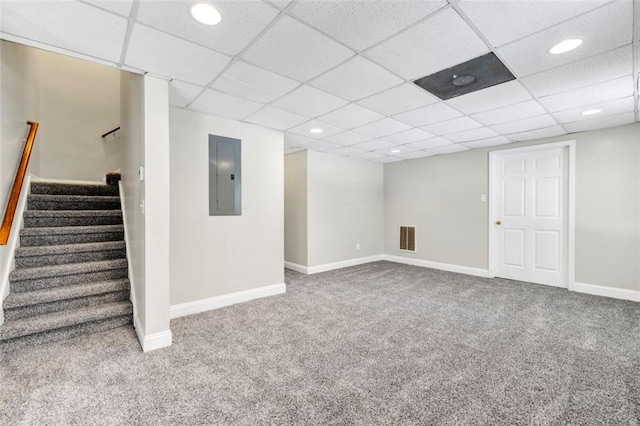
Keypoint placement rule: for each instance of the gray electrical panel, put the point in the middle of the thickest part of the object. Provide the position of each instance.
(225, 176)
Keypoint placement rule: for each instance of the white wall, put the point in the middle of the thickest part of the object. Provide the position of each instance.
(218, 255)
(295, 208)
(145, 133)
(345, 208)
(157, 204)
(441, 196)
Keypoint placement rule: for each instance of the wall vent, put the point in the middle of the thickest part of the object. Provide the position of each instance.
(408, 238)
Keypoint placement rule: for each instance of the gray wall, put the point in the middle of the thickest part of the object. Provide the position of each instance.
(332, 203)
(132, 134)
(441, 196)
(145, 133)
(75, 102)
(295, 208)
(217, 255)
(345, 207)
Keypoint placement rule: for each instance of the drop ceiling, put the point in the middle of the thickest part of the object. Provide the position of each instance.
(348, 66)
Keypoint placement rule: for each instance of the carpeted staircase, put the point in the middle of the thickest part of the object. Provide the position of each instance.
(71, 266)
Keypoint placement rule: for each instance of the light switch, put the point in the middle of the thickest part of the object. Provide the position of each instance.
(483, 197)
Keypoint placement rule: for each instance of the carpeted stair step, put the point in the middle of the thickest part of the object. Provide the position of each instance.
(39, 302)
(55, 188)
(72, 202)
(70, 235)
(65, 333)
(59, 320)
(35, 256)
(29, 279)
(50, 218)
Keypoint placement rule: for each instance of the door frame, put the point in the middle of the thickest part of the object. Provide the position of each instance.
(571, 177)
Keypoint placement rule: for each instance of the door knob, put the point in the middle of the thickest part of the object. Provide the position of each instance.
(498, 222)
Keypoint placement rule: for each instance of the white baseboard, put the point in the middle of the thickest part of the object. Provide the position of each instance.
(154, 341)
(478, 272)
(198, 306)
(600, 290)
(14, 242)
(331, 266)
(296, 267)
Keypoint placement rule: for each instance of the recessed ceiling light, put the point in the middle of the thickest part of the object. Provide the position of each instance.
(395, 151)
(316, 130)
(205, 14)
(565, 46)
(591, 111)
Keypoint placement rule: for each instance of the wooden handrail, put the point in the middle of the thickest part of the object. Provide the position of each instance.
(12, 204)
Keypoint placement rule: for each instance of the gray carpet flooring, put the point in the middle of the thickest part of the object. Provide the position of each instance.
(373, 344)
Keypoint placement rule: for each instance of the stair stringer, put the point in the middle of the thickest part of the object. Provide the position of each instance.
(13, 243)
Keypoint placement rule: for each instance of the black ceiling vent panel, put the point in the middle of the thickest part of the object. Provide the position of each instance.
(476, 74)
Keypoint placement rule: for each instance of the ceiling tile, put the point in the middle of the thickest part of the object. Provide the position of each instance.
(68, 25)
(607, 66)
(279, 3)
(347, 138)
(323, 146)
(292, 139)
(347, 151)
(388, 159)
(505, 21)
(180, 94)
(413, 154)
(452, 126)
(429, 143)
(585, 96)
(616, 107)
(256, 84)
(361, 24)
(497, 96)
(121, 7)
(295, 50)
(369, 156)
(375, 145)
(601, 123)
(438, 43)
(275, 118)
(399, 99)
(472, 135)
(356, 79)
(398, 151)
(525, 125)
(242, 21)
(350, 116)
(538, 134)
(309, 101)
(408, 136)
(156, 52)
(510, 113)
(602, 29)
(498, 140)
(448, 149)
(428, 115)
(380, 128)
(223, 105)
(305, 129)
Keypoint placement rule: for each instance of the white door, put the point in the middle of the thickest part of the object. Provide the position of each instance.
(530, 220)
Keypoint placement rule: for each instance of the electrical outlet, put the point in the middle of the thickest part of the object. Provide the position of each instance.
(357, 246)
